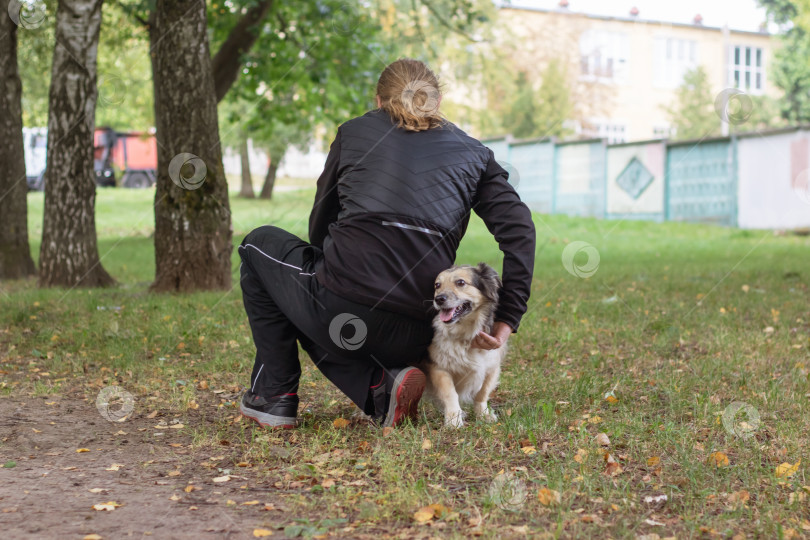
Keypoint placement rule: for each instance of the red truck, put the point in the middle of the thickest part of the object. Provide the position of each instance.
(131, 155)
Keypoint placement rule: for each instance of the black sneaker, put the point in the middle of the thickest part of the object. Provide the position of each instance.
(277, 412)
(397, 397)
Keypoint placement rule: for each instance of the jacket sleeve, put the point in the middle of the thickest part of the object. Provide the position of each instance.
(327, 204)
(510, 222)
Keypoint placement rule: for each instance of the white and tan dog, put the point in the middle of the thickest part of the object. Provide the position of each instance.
(465, 298)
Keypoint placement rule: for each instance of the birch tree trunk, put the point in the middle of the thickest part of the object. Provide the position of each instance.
(15, 254)
(193, 231)
(69, 252)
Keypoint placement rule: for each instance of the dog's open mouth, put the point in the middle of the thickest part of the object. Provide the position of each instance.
(453, 314)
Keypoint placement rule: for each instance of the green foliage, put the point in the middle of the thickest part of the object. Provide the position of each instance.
(521, 119)
(34, 54)
(791, 70)
(540, 113)
(693, 114)
(124, 70)
(313, 64)
(791, 73)
(765, 114)
(554, 101)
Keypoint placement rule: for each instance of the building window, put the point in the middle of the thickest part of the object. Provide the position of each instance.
(612, 130)
(604, 55)
(672, 59)
(746, 68)
(663, 131)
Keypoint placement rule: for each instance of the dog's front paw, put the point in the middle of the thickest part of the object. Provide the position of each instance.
(486, 414)
(454, 419)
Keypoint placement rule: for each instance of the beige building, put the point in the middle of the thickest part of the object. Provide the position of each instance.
(625, 69)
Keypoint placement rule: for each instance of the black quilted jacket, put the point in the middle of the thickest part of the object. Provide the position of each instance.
(391, 208)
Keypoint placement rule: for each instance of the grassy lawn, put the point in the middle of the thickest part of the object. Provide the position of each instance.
(678, 323)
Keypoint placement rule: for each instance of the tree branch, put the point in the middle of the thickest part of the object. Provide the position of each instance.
(227, 63)
(446, 24)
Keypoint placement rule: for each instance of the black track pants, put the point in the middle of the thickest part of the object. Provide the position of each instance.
(350, 343)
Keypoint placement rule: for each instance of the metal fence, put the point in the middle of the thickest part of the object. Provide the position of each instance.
(751, 180)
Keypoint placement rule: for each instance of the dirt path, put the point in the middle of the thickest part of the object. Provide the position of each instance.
(49, 489)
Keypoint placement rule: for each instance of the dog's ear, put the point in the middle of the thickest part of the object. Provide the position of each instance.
(487, 281)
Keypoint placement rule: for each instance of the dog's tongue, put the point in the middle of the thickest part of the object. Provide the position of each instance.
(446, 314)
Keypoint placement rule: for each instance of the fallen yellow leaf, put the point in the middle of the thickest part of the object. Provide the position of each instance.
(173, 473)
(580, 456)
(114, 467)
(610, 398)
(189, 488)
(548, 497)
(786, 470)
(439, 510)
(220, 479)
(718, 459)
(388, 430)
(340, 423)
(653, 461)
(174, 498)
(423, 515)
(426, 444)
(529, 450)
(594, 419)
(259, 533)
(327, 483)
(80, 450)
(250, 503)
(92, 537)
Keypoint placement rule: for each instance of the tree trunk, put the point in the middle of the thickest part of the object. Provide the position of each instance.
(192, 217)
(269, 180)
(15, 254)
(69, 252)
(247, 179)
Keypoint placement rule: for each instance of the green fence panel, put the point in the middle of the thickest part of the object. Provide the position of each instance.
(701, 184)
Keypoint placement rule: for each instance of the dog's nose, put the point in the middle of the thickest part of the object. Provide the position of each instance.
(440, 299)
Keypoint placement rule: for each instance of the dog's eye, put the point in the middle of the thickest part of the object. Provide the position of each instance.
(460, 283)
(437, 285)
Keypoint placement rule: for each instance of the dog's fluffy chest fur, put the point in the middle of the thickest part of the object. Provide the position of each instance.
(467, 365)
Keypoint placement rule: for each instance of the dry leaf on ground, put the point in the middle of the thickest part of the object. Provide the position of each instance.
(602, 439)
(786, 470)
(718, 459)
(548, 497)
(107, 506)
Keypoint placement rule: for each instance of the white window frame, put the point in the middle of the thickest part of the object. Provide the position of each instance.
(604, 56)
(743, 71)
(612, 129)
(672, 58)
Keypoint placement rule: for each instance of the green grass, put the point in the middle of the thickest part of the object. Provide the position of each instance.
(679, 322)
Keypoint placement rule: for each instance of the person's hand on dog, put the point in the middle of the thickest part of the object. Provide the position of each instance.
(500, 333)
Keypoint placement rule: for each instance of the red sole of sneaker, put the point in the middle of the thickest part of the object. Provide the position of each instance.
(268, 426)
(408, 395)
